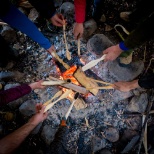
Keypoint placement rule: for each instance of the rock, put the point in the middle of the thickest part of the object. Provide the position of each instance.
(1, 86)
(127, 73)
(7, 75)
(119, 96)
(33, 15)
(48, 134)
(111, 134)
(9, 34)
(11, 85)
(89, 28)
(138, 103)
(134, 123)
(103, 18)
(58, 3)
(98, 143)
(125, 16)
(125, 139)
(104, 151)
(108, 28)
(98, 43)
(28, 108)
(67, 9)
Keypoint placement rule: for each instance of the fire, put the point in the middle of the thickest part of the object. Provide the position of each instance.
(69, 75)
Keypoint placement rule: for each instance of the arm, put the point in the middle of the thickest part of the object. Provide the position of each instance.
(146, 82)
(140, 35)
(18, 20)
(12, 94)
(48, 10)
(11, 142)
(80, 9)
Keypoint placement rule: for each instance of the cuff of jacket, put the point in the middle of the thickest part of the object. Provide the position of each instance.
(123, 47)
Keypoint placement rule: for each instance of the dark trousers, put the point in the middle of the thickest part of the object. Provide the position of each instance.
(4, 56)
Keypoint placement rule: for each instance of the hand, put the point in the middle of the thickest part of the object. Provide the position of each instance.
(78, 30)
(112, 52)
(126, 86)
(36, 85)
(57, 20)
(51, 49)
(39, 116)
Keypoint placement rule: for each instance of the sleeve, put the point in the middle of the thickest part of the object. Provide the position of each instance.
(147, 81)
(12, 94)
(141, 34)
(45, 7)
(80, 9)
(18, 20)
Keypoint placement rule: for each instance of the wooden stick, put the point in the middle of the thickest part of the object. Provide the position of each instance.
(72, 86)
(55, 96)
(54, 54)
(64, 95)
(70, 108)
(92, 63)
(68, 55)
(52, 83)
(105, 87)
(99, 81)
(79, 47)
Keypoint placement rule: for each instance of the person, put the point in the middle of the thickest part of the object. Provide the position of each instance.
(146, 82)
(11, 142)
(12, 94)
(143, 16)
(47, 10)
(16, 19)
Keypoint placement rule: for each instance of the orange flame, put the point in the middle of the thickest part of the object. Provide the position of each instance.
(69, 75)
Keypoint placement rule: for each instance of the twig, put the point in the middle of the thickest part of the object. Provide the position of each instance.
(144, 54)
(148, 65)
(150, 102)
(68, 55)
(78, 47)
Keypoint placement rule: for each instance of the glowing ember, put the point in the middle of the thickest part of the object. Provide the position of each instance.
(69, 75)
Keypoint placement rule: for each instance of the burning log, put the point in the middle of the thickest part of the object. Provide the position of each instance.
(54, 54)
(85, 81)
(72, 86)
(68, 55)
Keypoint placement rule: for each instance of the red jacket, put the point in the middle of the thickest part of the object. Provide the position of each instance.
(80, 9)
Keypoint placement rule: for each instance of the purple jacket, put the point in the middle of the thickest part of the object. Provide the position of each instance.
(12, 94)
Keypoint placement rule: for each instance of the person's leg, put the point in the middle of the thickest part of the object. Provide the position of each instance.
(97, 11)
(142, 11)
